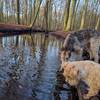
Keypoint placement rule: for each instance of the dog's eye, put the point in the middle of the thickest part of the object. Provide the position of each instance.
(68, 56)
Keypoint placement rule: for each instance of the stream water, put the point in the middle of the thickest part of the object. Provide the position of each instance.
(28, 68)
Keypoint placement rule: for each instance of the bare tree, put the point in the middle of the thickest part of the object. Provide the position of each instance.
(18, 11)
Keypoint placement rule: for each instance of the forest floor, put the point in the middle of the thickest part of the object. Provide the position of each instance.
(13, 26)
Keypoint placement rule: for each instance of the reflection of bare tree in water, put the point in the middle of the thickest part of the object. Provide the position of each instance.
(17, 39)
(0, 41)
(43, 41)
(12, 86)
(43, 50)
(71, 91)
(15, 66)
(42, 54)
(33, 45)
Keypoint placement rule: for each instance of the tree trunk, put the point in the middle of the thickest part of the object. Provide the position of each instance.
(30, 12)
(84, 14)
(71, 13)
(66, 13)
(36, 14)
(97, 27)
(74, 18)
(1, 11)
(46, 14)
(18, 12)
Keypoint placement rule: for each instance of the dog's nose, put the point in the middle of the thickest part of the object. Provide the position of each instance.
(61, 71)
(66, 58)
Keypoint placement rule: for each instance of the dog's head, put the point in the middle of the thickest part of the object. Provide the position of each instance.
(74, 54)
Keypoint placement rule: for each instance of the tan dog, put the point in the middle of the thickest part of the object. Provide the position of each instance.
(87, 71)
(76, 42)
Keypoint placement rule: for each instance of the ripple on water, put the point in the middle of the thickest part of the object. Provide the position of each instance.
(28, 68)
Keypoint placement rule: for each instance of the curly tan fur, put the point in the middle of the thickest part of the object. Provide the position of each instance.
(87, 71)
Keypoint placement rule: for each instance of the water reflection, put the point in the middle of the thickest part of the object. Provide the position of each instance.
(63, 91)
(28, 67)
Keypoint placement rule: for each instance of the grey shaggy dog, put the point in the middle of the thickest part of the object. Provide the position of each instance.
(76, 42)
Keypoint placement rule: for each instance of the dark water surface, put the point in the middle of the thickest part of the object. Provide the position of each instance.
(28, 67)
